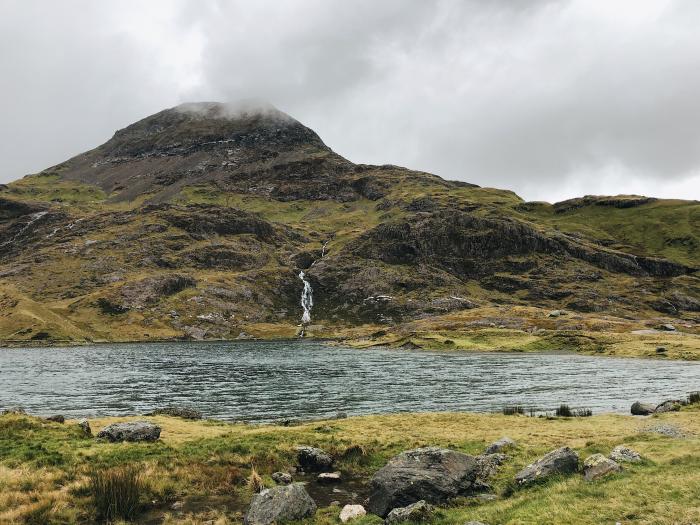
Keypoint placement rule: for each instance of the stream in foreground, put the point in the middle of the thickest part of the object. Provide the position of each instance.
(268, 381)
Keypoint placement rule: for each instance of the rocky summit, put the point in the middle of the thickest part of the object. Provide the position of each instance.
(210, 221)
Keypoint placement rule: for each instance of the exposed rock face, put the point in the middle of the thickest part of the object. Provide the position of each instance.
(350, 512)
(560, 461)
(431, 474)
(329, 477)
(623, 454)
(488, 465)
(152, 289)
(130, 431)
(313, 459)
(597, 466)
(642, 409)
(500, 445)
(280, 504)
(416, 512)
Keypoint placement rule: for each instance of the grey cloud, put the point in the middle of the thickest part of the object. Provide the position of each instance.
(550, 98)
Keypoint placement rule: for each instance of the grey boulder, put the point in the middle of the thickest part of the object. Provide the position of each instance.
(671, 405)
(500, 445)
(416, 512)
(597, 466)
(279, 504)
(182, 412)
(642, 409)
(560, 461)
(84, 425)
(623, 454)
(130, 431)
(282, 478)
(431, 474)
(313, 459)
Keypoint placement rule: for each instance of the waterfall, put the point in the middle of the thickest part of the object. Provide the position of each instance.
(32, 219)
(307, 300)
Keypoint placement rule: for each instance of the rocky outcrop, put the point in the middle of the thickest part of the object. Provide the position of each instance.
(671, 405)
(431, 474)
(203, 219)
(152, 289)
(280, 504)
(560, 461)
(130, 431)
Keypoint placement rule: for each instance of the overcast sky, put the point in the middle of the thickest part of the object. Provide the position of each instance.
(552, 99)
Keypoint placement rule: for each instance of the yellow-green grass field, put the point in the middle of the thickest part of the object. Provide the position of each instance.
(205, 466)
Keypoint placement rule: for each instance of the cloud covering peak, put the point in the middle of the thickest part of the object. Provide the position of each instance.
(552, 99)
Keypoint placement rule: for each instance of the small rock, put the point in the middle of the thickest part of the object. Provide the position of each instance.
(416, 512)
(178, 505)
(597, 466)
(85, 427)
(642, 409)
(130, 431)
(661, 350)
(341, 415)
(671, 405)
(313, 459)
(350, 512)
(560, 461)
(622, 453)
(486, 497)
(501, 444)
(329, 477)
(667, 327)
(56, 419)
(282, 478)
(334, 503)
(556, 313)
(279, 504)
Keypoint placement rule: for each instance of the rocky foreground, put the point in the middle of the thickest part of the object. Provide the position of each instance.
(438, 468)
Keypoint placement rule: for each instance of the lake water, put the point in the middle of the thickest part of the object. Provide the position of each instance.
(268, 381)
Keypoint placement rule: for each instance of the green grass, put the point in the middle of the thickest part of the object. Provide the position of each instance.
(49, 187)
(208, 464)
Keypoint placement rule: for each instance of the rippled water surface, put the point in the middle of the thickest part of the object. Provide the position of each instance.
(264, 381)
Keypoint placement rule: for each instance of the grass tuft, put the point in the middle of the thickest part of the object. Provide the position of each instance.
(255, 482)
(116, 492)
(694, 397)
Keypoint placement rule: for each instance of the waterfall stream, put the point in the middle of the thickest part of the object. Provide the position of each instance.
(32, 219)
(307, 300)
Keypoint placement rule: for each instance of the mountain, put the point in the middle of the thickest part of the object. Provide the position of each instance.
(195, 222)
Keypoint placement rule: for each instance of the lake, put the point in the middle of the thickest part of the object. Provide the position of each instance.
(269, 381)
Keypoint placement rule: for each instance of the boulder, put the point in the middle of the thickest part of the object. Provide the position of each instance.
(85, 427)
(670, 405)
(279, 504)
(56, 419)
(622, 454)
(666, 327)
(351, 512)
(130, 431)
(560, 461)
(642, 409)
(313, 459)
(328, 477)
(488, 465)
(282, 478)
(597, 466)
(416, 512)
(431, 474)
(500, 445)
